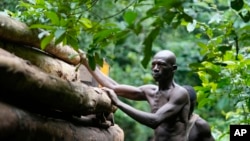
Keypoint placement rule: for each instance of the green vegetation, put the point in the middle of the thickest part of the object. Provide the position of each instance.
(209, 37)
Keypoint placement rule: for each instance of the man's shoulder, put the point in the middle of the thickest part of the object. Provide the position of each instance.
(149, 88)
(180, 88)
(202, 125)
(180, 92)
(200, 121)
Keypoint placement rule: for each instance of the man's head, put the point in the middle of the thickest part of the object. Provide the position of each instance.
(192, 97)
(163, 65)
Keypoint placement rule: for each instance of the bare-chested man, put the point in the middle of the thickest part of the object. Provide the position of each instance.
(169, 101)
(198, 129)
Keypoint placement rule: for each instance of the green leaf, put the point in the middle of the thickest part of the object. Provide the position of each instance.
(248, 103)
(212, 73)
(220, 64)
(244, 29)
(209, 32)
(91, 61)
(53, 17)
(61, 39)
(245, 15)
(229, 63)
(40, 2)
(224, 48)
(186, 17)
(216, 18)
(191, 26)
(169, 16)
(24, 4)
(203, 102)
(60, 36)
(168, 3)
(73, 42)
(46, 40)
(59, 32)
(42, 26)
(98, 59)
(202, 45)
(104, 34)
(130, 17)
(203, 76)
(176, 23)
(86, 22)
(138, 29)
(246, 62)
(196, 66)
(148, 46)
(237, 4)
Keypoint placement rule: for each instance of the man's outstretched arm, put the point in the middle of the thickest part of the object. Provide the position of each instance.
(127, 91)
(152, 120)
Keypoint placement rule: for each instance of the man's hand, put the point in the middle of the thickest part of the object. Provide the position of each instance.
(94, 120)
(112, 95)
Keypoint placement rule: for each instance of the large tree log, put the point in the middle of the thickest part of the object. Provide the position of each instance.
(20, 125)
(43, 60)
(16, 31)
(26, 83)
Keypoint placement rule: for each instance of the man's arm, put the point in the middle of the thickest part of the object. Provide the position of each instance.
(167, 111)
(127, 91)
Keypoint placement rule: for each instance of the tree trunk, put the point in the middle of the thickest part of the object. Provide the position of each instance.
(52, 102)
(49, 64)
(18, 32)
(20, 125)
(27, 84)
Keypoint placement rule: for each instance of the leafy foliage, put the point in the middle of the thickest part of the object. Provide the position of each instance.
(224, 69)
(7, 5)
(66, 21)
(210, 39)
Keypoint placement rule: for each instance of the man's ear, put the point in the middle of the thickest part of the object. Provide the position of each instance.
(174, 67)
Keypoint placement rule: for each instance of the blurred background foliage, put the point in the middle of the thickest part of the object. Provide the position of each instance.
(210, 39)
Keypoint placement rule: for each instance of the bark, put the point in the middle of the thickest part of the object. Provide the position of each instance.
(49, 90)
(24, 83)
(20, 125)
(18, 32)
(49, 64)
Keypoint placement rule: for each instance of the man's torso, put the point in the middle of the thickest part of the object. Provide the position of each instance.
(172, 129)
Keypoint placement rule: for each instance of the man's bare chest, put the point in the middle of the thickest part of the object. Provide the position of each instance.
(158, 100)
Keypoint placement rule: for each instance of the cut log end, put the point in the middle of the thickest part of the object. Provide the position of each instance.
(17, 124)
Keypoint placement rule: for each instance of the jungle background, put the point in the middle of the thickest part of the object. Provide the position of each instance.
(210, 39)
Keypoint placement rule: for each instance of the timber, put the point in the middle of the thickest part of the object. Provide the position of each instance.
(16, 123)
(46, 62)
(28, 83)
(43, 96)
(18, 32)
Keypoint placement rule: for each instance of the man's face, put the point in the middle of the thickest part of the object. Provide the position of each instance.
(161, 69)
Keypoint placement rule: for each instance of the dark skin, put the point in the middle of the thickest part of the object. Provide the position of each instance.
(169, 101)
(201, 130)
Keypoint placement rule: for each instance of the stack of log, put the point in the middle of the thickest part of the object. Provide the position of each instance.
(43, 96)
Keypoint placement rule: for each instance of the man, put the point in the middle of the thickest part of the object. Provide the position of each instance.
(169, 101)
(199, 129)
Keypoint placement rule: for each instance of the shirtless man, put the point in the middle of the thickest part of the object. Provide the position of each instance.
(169, 101)
(198, 129)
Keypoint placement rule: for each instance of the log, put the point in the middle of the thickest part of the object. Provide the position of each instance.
(19, 125)
(25, 83)
(49, 64)
(18, 32)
